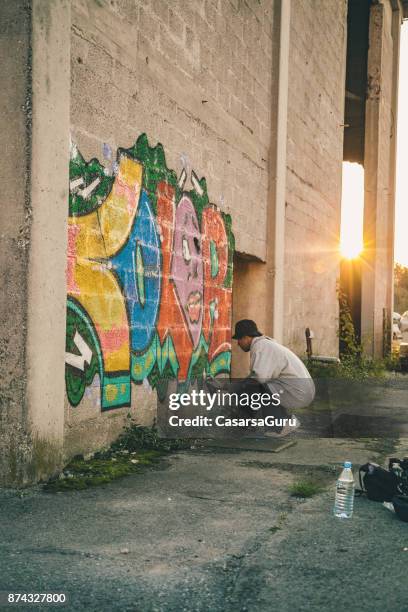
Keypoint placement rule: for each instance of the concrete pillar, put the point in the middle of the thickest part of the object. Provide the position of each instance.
(35, 45)
(15, 223)
(395, 33)
(51, 34)
(379, 166)
(259, 286)
(277, 199)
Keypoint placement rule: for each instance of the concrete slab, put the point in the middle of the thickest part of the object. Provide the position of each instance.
(209, 530)
(262, 444)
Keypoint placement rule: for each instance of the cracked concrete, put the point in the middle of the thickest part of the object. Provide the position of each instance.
(212, 530)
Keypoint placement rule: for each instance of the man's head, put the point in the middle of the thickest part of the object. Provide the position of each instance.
(245, 331)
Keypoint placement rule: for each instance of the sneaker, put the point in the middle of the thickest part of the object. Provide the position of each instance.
(290, 429)
(286, 429)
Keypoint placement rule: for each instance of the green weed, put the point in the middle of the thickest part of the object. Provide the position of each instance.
(136, 448)
(305, 488)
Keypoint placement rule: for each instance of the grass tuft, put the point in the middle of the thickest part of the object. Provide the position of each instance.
(305, 488)
(137, 447)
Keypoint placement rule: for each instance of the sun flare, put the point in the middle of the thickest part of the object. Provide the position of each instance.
(352, 211)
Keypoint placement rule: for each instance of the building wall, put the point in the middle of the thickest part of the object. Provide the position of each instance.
(15, 222)
(177, 88)
(173, 149)
(314, 163)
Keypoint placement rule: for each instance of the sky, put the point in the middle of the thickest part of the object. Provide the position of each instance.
(401, 206)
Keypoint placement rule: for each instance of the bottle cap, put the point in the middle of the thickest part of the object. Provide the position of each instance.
(347, 464)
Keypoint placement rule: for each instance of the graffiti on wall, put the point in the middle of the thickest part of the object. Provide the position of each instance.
(149, 277)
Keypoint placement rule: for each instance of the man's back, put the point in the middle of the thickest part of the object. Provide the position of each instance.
(270, 361)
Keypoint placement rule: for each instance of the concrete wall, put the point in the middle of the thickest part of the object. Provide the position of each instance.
(314, 163)
(35, 128)
(187, 76)
(15, 223)
(186, 123)
(48, 245)
(250, 300)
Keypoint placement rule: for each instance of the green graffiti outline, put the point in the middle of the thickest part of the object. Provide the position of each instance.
(221, 364)
(155, 168)
(213, 259)
(75, 395)
(89, 171)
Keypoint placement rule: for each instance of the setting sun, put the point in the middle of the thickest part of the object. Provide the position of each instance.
(352, 210)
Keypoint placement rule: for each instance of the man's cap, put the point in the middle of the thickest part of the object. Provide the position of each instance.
(245, 327)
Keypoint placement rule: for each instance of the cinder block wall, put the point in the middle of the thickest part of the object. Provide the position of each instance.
(314, 162)
(195, 77)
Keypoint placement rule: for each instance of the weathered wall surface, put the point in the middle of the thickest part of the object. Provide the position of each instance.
(170, 119)
(379, 169)
(250, 300)
(15, 222)
(158, 303)
(45, 347)
(149, 278)
(187, 74)
(35, 129)
(314, 162)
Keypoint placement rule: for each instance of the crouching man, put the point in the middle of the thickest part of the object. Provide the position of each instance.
(276, 367)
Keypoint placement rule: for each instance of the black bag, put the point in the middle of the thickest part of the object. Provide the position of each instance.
(400, 503)
(400, 468)
(378, 484)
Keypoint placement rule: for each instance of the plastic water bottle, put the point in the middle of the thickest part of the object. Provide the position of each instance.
(343, 505)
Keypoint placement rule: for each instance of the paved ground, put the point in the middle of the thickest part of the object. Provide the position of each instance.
(210, 530)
